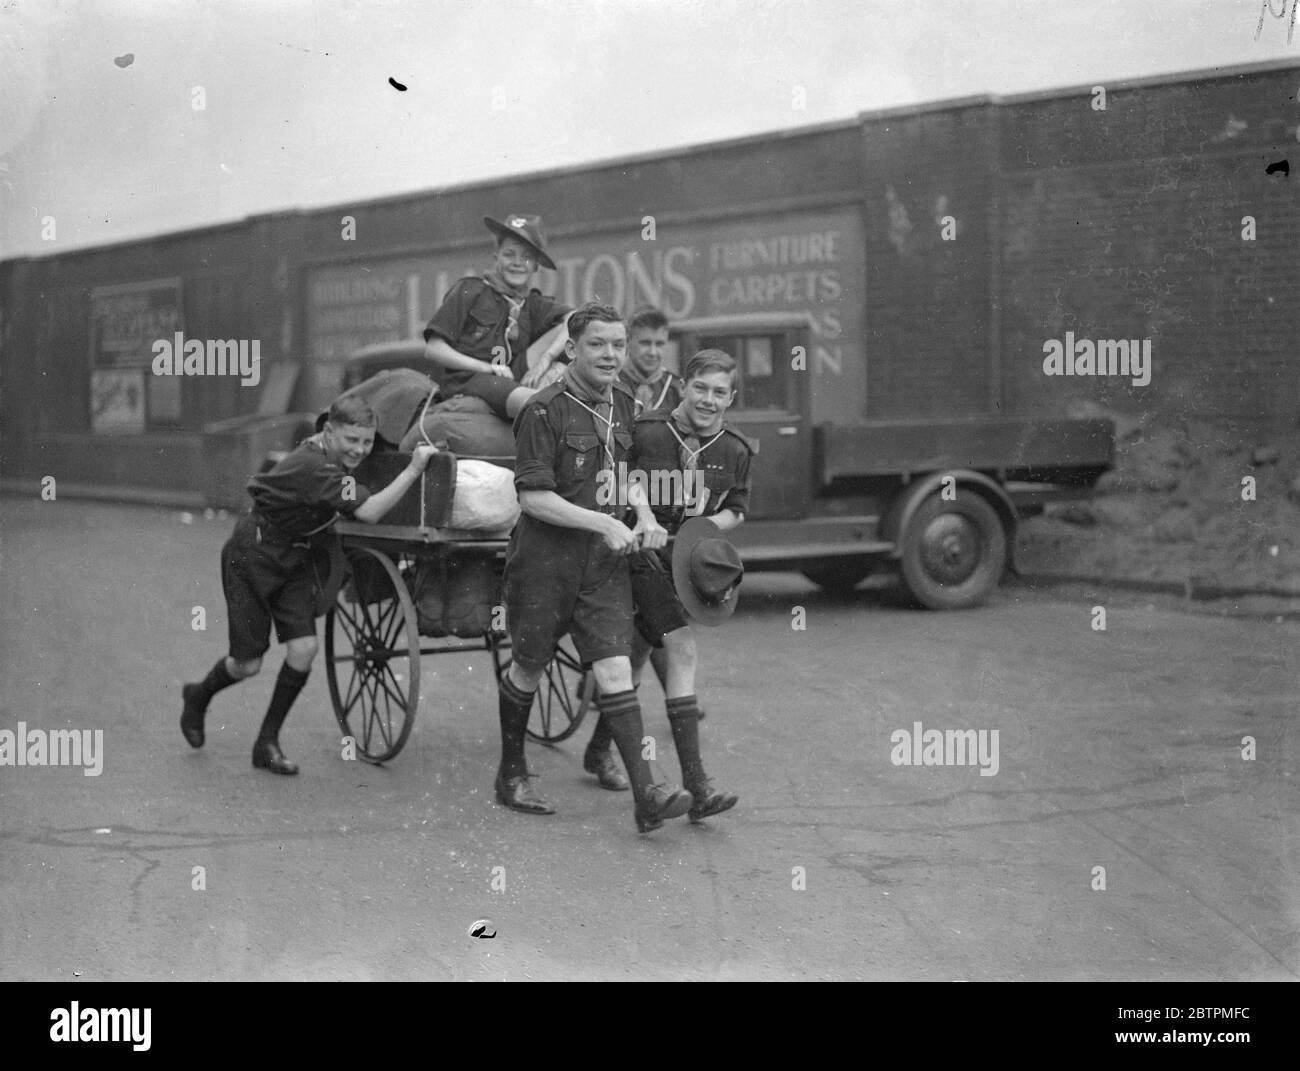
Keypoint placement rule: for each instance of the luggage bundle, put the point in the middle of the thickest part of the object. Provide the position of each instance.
(455, 594)
(467, 427)
(396, 395)
(468, 487)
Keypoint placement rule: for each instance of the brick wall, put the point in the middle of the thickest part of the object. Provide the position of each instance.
(1128, 224)
(927, 344)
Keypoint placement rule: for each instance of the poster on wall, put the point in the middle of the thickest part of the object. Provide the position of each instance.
(164, 397)
(125, 322)
(117, 400)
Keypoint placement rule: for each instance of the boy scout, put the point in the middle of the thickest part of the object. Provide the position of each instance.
(484, 326)
(654, 386)
(567, 564)
(713, 462)
(267, 570)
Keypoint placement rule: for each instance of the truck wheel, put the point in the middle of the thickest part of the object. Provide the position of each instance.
(953, 552)
(838, 574)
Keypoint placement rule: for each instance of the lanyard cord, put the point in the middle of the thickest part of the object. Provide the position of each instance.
(668, 382)
(692, 456)
(609, 422)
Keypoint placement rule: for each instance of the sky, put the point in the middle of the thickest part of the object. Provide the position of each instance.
(102, 133)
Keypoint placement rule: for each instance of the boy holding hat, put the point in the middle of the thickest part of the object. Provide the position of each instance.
(701, 578)
(267, 570)
(482, 330)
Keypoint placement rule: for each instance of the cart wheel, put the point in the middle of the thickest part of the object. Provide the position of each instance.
(372, 650)
(564, 696)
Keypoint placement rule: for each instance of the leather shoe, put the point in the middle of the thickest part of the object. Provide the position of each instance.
(661, 802)
(602, 764)
(192, 717)
(518, 795)
(268, 756)
(709, 801)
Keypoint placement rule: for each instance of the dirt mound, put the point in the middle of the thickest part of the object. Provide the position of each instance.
(1208, 501)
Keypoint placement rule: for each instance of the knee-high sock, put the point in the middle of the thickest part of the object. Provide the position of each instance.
(287, 686)
(601, 737)
(218, 677)
(514, 705)
(622, 713)
(684, 719)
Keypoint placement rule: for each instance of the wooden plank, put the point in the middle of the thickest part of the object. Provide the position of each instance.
(881, 448)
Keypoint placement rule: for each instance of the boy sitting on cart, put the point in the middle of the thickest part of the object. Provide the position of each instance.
(268, 573)
(483, 329)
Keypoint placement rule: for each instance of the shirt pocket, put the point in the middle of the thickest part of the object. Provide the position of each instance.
(717, 483)
(482, 321)
(581, 456)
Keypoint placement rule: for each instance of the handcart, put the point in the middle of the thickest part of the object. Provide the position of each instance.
(375, 639)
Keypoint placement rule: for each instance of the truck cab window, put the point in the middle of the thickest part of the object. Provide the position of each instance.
(761, 382)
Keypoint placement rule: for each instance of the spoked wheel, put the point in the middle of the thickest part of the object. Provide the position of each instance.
(564, 695)
(372, 649)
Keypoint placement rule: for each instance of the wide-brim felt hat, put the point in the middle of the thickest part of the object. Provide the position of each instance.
(707, 571)
(528, 229)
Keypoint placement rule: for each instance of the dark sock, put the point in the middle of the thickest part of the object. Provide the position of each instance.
(514, 707)
(601, 737)
(287, 686)
(218, 677)
(684, 718)
(622, 714)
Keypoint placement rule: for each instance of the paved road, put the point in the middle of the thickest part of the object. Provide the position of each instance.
(1118, 749)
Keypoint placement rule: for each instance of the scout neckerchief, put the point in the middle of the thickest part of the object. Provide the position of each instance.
(691, 447)
(573, 387)
(644, 386)
(689, 450)
(496, 282)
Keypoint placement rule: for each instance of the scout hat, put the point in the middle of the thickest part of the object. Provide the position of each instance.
(527, 229)
(706, 571)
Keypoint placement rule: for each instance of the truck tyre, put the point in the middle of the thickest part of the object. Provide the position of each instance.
(953, 552)
(838, 574)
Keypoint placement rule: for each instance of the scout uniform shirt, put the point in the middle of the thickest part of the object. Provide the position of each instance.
(479, 321)
(664, 391)
(565, 436)
(304, 493)
(663, 445)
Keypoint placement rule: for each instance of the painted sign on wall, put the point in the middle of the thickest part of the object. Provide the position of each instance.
(809, 262)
